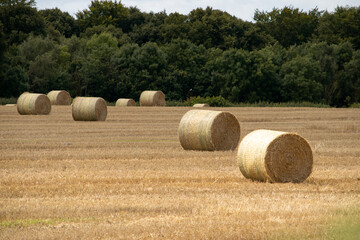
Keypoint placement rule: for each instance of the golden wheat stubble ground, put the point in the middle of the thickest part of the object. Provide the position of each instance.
(128, 177)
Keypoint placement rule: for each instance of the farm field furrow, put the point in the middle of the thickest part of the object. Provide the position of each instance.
(129, 178)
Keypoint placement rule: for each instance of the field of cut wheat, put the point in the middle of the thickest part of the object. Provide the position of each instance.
(129, 178)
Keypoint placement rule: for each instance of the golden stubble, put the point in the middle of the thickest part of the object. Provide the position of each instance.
(129, 178)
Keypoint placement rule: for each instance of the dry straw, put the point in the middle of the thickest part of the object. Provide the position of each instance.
(59, 97)
(33, 104)
(201, 105)
(275, 156)
(125, 102)
(152, 98)
(89, 109)
(209, 130)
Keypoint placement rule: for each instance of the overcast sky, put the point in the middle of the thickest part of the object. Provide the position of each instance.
(240, 8)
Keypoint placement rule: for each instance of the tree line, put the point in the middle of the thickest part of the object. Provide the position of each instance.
(113, 51)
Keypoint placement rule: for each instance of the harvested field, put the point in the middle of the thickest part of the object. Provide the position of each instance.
(129, 178)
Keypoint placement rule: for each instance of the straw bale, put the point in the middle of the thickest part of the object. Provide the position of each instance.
(59, 97)
(125, 102)
(275, 156)
(152, 98)
(89, 109)
(10, 104)
(33, 104)
(200, 105)
(209, 130)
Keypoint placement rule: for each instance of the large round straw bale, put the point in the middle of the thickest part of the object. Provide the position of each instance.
(125, 102)
(89, 109)
(209, 130)
(275, 156)
(200, 105)
(59, 97)
(152, 98)
(33, 104)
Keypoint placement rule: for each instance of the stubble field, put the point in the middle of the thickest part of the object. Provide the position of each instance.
(129, 178)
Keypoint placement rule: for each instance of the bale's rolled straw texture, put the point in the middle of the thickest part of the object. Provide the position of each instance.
(125, 102)
(209, 130)
(200, 105)
(33, 104)
(152, 98)
(275, 156)
(89, 109)
(59, 97)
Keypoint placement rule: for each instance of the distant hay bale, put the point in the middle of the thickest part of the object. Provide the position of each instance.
(33, 104)
(59, 97)
(201, 105)
(152, 98)
(209, 130)
(275, 156)
(10, 104)
(125, 102)
(89, 109)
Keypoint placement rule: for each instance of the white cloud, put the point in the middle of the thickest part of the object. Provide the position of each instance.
(240, 8)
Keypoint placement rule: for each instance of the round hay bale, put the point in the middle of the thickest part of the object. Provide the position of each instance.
(152, 98)
(33, 104)
(125, 102)
(275, 156)
(59, 97)
(209, 130)
(201, 105)
(89, 109)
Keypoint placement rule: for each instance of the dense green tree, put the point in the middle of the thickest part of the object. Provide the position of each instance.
(2, 42)
(103, 12)
(287, 55)
(264, 77)
(35, 46)
(13, 75)
(78, 52)
(124, 63)
(50, 70)
(60, 21)
(342, 25)
(150, 69)
(350, 82)
(135, 18)
(19, 19)
(332, 60)
(150, 30)
(289, 25)
(14, 82)
(97, 69)
(139, 69)
(229, 74)
(298, 80)
(214, 28)
(175, 26)
(186, 63)
(253, 38)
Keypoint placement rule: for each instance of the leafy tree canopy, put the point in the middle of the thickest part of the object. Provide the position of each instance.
(103, 13)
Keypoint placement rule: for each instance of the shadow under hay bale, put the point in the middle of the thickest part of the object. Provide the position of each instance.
(152, 98)
(89, 109)
(209, 130)
(125, 102)
(275, 156)
(59, 97)
(33, 104)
